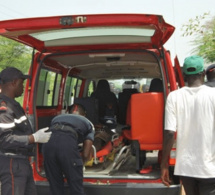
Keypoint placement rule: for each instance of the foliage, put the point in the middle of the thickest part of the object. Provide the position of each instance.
(14, 54)
(202, 28)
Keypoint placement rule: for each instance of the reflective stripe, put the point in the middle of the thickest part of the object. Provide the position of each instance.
(11, 125)
(10, 154)
(12, 176)
(7, 125)
(20, 120)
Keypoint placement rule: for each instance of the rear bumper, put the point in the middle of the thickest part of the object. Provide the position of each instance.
(118, 189)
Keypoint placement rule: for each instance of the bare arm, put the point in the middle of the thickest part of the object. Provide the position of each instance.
(31, 139)
(87, 148)
(167, 146)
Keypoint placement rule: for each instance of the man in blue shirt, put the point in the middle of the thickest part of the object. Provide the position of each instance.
(61, 154)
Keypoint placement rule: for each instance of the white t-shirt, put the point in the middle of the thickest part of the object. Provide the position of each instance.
(191, 111)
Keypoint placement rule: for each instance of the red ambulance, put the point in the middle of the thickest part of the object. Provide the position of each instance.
(70, 55)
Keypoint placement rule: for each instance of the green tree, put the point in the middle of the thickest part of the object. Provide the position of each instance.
(14, 54)
(202, 29)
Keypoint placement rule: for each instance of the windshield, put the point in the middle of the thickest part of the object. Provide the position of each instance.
(117, 86)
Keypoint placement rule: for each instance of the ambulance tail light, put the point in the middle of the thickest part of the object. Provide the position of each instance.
(172, 157)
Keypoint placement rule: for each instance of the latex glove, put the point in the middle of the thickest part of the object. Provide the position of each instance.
(41, 136)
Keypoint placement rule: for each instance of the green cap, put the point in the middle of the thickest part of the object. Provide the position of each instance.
(193, 65)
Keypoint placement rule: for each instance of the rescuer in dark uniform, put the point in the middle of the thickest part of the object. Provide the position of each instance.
(16, 138)
(61, 154)
(210, 74)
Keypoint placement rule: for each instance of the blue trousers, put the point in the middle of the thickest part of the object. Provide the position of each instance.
(62, 160)
(16, 176)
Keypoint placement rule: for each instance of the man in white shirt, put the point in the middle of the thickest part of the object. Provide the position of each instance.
(191, 112)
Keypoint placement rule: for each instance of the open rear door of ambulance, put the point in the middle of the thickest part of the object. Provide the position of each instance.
(79, 32)
(178, 72)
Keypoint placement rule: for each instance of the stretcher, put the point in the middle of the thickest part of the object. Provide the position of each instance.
(114, 151)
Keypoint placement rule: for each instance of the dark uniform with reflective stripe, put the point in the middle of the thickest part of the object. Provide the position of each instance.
(61, 153)
(15, 170)
(210, 72)
(210, 83)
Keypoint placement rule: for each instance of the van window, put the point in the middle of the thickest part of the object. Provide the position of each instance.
(90, 89)
(48, 88)
(78, 87)
(56, 89)
(141, 84)
(70, 90)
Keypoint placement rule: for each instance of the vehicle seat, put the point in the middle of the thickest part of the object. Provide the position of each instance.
(146, 123)
(91, 106)
(123, 99)
(156, 85)
(107, 101)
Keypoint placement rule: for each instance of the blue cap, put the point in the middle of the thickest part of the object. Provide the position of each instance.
(10, 74)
